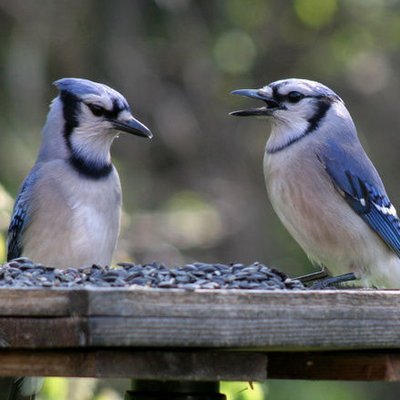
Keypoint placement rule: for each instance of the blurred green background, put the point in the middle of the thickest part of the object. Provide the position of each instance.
(196, 192)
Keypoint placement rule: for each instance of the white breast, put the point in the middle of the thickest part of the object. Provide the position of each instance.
(318, 218)
(74, 221)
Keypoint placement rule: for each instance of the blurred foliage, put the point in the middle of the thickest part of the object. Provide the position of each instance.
(76, 389)
(177, 61)
(196, 192)
(244, 390)
(315, 13)
(54, 388)
(301, 390)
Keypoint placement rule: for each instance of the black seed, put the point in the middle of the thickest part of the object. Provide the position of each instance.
(24, 273)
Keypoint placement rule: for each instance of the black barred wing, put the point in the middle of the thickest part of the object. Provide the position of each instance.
(370, 203)
(18, 222)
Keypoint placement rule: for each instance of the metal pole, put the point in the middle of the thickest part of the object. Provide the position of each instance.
(174, 390)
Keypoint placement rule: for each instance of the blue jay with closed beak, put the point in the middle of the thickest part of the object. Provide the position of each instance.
(67, 212)
(323, 186)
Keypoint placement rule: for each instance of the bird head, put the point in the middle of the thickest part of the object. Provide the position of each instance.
(295, 106)
(83, 122)
(95, 108)
(288, 100)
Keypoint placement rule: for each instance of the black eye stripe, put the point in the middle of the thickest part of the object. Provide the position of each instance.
(276, 95)
(97, 110)
(100, 111)
(294, 96)
(280, 98)
(112, 114)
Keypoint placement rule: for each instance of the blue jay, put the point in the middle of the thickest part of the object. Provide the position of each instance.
(323, 186)
(67, 212)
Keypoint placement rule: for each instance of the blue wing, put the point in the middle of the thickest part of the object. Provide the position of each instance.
(19, 220)
(358, 182)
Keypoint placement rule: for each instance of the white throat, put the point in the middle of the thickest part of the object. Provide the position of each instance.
(91, 144)
(284, 132)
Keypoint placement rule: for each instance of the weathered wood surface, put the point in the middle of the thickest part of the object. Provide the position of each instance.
(173, 334)
(196, 365)
(340, 365)
(278, 320)
(140, 364)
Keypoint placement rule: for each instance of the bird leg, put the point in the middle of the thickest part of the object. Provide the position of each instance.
(322, 279)
(313, 276)
(334, 280)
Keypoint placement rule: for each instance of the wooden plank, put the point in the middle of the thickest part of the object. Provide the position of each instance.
(352, 366)
(137, 301)
(42, 332)
(134, 301)
(259, 334)
(202, 365)
(278, 320)
(170, 334)
(175, 302)
(35, 302)
(128, 363)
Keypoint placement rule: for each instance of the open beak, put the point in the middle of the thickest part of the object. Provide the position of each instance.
(268, 109)
(133, 126)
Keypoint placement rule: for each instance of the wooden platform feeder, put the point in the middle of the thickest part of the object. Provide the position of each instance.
(185, 342)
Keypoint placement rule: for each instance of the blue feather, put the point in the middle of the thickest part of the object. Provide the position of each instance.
(19, 220)
(82, 87)
(358, 182)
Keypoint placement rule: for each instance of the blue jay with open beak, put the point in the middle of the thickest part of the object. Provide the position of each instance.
(67, 212)
(323, 186)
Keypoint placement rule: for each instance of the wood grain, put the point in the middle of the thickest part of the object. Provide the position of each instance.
(279, 320)
(207, 335)
(203, 365)
(42, 332)
(34, 302)
(353, 366)
(138, 364)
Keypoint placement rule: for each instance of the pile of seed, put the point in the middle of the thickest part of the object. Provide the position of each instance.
(24, 273)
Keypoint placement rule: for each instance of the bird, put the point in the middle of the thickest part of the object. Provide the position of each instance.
(322, 184)
(67, 212)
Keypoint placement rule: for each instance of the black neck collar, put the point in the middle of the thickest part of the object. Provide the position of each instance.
(90, 169)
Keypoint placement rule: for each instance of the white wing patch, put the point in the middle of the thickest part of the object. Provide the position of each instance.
(386, 210)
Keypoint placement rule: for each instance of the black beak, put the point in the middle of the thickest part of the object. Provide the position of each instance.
(133, 126)
(271, 104)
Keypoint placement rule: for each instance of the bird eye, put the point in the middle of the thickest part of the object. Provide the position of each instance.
(294, 97)
(97, 110)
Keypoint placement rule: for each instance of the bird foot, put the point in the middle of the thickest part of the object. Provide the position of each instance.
(334, 281)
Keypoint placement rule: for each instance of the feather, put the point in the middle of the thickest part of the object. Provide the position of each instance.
(367, 199)
(19, 220)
